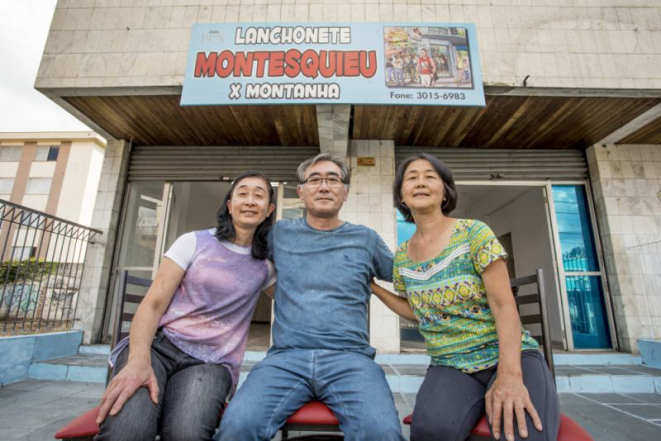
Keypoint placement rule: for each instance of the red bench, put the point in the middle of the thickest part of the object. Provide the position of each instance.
(82, 428)
(569, 429)
(313, 416)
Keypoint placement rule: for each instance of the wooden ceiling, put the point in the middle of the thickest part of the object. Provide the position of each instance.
(649, 134)
(506, 122)
(160, 120)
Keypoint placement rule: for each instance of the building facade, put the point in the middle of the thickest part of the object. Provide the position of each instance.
(564, 161)
(53, 172)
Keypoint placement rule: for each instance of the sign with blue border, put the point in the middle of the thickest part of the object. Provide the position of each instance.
(333, 63)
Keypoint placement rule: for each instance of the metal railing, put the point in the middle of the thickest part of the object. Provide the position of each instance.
(41, 268)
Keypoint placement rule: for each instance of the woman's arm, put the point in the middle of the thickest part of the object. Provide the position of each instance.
(508, 395)
(398, 305)
(138, 371)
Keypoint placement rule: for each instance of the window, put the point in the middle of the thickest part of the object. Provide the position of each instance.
(29, 218)
(23, 253)
(585, 295)
(38, 186)
(47, 153)
(6, 184)
(10, 153)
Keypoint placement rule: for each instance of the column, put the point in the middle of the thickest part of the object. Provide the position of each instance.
(98, 262)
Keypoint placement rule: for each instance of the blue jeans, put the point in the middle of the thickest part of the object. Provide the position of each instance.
(190, 398)
(351, 384)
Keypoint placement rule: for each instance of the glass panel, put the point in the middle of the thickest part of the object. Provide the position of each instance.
(292, 206)
(41, 153)
(573, 220)
(38, 186)
(6, 185)
(53, 152)
(588, 314)
(11, 153)
(141, 225)
(290, 192)
(404, 229)
(587, 309)
(194, 206)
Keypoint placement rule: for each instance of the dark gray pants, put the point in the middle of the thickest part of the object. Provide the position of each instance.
(190, 400)
(450, 402)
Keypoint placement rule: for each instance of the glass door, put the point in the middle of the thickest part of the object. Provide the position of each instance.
(143, 215)
(580, 269)
(289, 205)
(192, 206)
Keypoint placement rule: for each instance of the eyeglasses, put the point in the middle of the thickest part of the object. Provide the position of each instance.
(331, 181)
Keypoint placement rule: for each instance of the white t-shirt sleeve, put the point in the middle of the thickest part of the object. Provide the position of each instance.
(182, 250)
(271, 277)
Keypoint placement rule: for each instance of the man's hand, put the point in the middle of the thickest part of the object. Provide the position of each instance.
(123, 386)
(507, 397)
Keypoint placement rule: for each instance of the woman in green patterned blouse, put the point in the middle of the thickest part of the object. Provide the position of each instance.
(451, 277)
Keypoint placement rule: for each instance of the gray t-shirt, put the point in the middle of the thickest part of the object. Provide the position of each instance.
(323, 285)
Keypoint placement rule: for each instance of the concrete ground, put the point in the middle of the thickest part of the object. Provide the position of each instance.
(35, 410)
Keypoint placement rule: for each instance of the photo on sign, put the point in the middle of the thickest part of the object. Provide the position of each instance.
(426, 56)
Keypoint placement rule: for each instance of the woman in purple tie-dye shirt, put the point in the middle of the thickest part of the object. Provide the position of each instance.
(183, 354)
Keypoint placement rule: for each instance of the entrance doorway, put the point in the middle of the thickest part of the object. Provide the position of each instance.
(542, 226)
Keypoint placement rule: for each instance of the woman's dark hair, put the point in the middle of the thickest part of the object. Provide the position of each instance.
(450, 190)
(225, 227)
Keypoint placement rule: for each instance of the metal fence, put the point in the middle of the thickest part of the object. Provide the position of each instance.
(42, 258)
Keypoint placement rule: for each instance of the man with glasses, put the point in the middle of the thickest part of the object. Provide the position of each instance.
(320, 342)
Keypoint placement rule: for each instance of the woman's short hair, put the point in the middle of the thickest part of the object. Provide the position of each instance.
(225, 228)
(323, 157)
(450, 190)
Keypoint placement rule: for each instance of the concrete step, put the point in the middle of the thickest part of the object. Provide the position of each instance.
(625, 378)
(607, 372)
(95, 349)
(595, 358)
(405, 372)
(560, 358)
(91, 368)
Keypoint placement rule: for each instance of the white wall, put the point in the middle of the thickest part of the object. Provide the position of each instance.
(8, 169)
(526, 219)
(370, 204)
(91, 185)
(81, 181)
(626, 181)
(42, 169)
(35, 201)
(559, 43)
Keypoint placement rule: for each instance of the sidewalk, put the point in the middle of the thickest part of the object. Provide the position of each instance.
(35, 410)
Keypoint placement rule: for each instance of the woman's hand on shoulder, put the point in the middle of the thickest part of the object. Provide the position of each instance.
(508, 397)
(122, 387)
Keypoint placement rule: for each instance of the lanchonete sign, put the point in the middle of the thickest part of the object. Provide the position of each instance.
(366, 63)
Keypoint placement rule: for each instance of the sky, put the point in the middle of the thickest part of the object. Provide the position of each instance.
(24, 26)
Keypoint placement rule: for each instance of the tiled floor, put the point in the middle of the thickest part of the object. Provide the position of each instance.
(34, 410)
